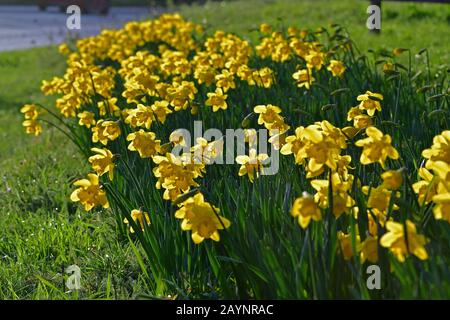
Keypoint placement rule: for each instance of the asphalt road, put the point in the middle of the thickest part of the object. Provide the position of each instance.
(23, 27)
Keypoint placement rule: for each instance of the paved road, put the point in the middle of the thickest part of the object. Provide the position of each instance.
(23, 27)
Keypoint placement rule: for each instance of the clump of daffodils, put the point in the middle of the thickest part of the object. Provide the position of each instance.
(126, 90)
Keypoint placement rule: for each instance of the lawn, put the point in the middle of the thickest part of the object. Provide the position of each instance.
(42, 232)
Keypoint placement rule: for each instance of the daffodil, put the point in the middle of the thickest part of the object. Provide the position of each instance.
(362, 121)
(251, 137)
(376, 147)
(205, 74)
(315, 60)
(217, 100)
(267, 113)
(105, 131)
(277, 127)
(440, 169)
(201, 218)
(318, 146)
(180, 95)
(251, 164)
(442, 207)
(145, 143)
(304, 78)
(142, 116)
(277, 140)
(140, 217)
(427, 187)
(392, 179)
(370, 102)
(369, 250)
(176, 174)
(395, 240)
(177, 138)
(336, 68)
(353, 112)
(265, 28)
(32, 127)
(399, 51)
(301, 48)
(102, 162)
(30, 111)
(89, 193)
(440, 150)
(263, 77)
(247, 74)
(372, 222)
(87, 119)
(305, 209)
(265, 48)
(294, 144)
(109, 107)
(321, 149)
(161, 110)
(345, 245)
(64, 49)
(379, 198)
(350, 132)
(388, 66)
(206, 152)
(281, 51)
(342, 201)
(225, 80)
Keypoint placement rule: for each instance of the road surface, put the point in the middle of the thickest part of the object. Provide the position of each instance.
(23, 27)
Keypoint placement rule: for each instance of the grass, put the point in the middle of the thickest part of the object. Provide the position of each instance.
(41, 232)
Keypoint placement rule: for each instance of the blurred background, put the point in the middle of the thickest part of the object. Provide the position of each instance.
(36, 23)
(406, 24)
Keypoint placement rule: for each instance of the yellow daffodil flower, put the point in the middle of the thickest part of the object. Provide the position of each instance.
(145, 143)
(217, 100)
(140, 217)
(251, 164)
(89, 193)
(336, 68)
(102, 162)
(395, 240)
(202, 219)
(376, 147)
(305, 209)
(368, 104)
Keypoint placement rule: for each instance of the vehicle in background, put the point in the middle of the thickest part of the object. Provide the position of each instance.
(87, 6)
(164, 3)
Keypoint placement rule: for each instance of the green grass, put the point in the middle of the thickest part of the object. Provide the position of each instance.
(40, 231)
